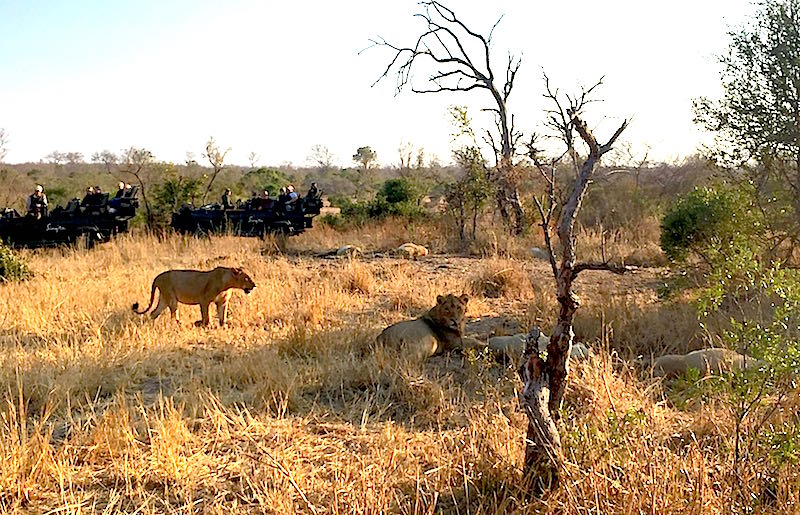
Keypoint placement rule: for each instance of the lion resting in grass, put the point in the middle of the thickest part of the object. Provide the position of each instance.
(512, 347)
(349, 251)
(707, 361)
(410, 251)
(196, 287)
(438, 330)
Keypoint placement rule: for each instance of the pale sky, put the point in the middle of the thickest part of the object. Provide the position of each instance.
(276, 78)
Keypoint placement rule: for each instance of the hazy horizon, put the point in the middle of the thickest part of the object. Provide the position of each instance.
(275, 79)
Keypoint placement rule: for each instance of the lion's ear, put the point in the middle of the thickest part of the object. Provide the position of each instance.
(439, 299)
(465, 298)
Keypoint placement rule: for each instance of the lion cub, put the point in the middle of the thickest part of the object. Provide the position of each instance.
(196, 287)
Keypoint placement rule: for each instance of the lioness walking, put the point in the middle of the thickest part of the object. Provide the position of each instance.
(196, 287)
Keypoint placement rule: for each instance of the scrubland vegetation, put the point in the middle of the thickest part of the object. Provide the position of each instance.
(291, 409)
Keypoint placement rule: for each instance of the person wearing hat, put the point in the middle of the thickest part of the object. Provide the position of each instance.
(37, 203)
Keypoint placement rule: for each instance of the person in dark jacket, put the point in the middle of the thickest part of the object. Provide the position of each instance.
(226, 199)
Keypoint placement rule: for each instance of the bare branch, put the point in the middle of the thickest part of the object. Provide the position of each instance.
(460, 59)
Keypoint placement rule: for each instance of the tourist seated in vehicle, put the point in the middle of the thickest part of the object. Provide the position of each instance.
(36, 204)
(88, 198)
(313, 192)
(120, 190)
(262, 202)
(226, 199)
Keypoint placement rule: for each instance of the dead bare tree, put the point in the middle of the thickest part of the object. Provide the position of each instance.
(216, 158)
(443, 45)
(3, 144)
(253, 158)
(545, 379)
(322, 157)
(136, 162)
(109, 160)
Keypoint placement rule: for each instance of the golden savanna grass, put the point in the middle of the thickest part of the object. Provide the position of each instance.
(292, 410)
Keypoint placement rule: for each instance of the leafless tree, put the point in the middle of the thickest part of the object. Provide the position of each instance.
(74, 158)
(405, 152)
(3, 144)
(55, 157)
(322, 157)
(253, 158)
(412, 159)
(447, 46)
(136, 162)
(545, 379)
(216, 158)
(107, 158)
(626, 161)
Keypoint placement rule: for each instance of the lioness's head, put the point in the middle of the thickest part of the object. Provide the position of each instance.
(240, 279)
(450, 311)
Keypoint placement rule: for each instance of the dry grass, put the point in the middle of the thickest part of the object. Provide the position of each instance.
(497, 277)
(290, 409)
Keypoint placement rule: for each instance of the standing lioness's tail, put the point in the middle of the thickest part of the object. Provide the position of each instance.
(135, 306)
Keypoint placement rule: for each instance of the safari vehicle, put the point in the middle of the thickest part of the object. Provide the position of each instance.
(253, 217)
(94, 220)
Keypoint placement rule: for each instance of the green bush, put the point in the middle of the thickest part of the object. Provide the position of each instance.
(260, 179)
(713, 223)
(12, 267)
(360, 212)
(399, 190)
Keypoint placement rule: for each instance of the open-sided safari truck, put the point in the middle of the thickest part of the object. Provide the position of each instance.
(253, 217)
(93, 220)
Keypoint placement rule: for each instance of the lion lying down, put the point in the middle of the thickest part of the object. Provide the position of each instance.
(440, 329)
(196, 287)
(708, 361)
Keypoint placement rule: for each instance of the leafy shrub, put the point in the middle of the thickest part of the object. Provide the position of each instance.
(174, 192)
(260, 179)
(12, 267)
(399, 190)
(712, 223)
(360, 212)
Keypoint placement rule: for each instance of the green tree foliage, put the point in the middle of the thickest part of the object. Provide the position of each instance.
(366, 158)
(716, 223)
(260, 179)
(468, 195)
(396, 197)
(757, 115)
(399, 190)
(757, 120)
(12, 267)
(175, 191)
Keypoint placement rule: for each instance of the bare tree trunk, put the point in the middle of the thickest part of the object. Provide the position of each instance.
(461, 62)
(462, 222)
(502, 204)
(519, 211)
(475, 212)
(542, 438)
(545, 381)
